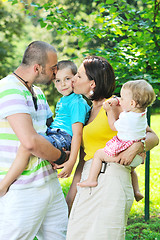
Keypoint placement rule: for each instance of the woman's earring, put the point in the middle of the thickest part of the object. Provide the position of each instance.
(91, 92)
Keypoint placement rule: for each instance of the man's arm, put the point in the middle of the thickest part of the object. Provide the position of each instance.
(22, 125)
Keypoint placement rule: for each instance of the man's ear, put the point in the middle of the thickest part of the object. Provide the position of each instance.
(37, 68)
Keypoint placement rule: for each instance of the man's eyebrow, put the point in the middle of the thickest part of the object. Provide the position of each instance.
(54, 66)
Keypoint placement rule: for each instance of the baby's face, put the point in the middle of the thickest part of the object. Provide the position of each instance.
(63, 81)
(126, 100)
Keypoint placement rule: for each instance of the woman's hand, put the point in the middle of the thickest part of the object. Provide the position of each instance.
(127, 156)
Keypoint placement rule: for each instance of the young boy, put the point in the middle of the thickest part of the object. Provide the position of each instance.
(136, 96)
(65, 132)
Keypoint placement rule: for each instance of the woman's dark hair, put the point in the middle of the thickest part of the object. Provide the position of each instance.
(99, 69)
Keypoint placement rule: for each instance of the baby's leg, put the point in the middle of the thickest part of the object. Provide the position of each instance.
(99, 156)
(137, 194)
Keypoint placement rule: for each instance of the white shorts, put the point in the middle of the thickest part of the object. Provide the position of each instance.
(39, 211)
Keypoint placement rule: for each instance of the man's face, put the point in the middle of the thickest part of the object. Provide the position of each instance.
(48, 72)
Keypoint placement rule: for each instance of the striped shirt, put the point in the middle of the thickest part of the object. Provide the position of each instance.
(16, 98)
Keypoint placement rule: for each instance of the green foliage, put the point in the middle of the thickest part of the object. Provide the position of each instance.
(139, 229)
(11, 23)
(125, 32)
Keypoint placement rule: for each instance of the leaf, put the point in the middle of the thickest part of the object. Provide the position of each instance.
(110, 1)
(43, 24)
(112, 9)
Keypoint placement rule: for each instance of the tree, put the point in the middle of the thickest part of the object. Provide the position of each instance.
(9, 36)
(123, 31)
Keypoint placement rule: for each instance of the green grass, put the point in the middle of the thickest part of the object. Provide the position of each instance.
(137, 228)
(154, 176)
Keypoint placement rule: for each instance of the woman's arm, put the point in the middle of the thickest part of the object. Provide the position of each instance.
(126, 157)
(77, 176)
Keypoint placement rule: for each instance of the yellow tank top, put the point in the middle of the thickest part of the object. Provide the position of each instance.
(96, 134)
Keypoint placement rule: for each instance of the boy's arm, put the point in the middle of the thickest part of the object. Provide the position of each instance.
(77, 129)
(77, 176)
(15, 170)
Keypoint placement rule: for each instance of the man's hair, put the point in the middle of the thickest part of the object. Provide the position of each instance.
(36, 52)
(67, 64)
(100, 70)
(142, 92)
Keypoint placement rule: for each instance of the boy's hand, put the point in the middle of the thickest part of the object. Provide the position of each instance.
(3, 190)
(66, 171)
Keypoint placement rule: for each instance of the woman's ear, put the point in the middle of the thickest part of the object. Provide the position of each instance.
(92, 84)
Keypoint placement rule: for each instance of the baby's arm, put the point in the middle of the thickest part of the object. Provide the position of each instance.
(17, 167)
(75, 145)
(113, 109)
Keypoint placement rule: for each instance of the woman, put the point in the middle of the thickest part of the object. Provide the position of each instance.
(101, 213)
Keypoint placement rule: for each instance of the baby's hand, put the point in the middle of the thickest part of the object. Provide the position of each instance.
(111, 103)
(66, 171)
(107, 106)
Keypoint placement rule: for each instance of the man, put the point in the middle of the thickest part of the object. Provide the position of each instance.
(34, 204)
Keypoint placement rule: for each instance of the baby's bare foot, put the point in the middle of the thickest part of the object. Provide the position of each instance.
(87, 183)
(138, 196)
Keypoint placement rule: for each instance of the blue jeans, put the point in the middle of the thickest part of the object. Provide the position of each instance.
(59, 138)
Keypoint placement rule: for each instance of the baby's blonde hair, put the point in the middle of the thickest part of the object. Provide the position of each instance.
(142, 93)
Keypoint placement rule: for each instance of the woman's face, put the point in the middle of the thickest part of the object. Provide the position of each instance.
(80, 82)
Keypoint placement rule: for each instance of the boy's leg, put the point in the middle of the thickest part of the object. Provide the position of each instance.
(99, 156)
(137, 194)
(59, 138)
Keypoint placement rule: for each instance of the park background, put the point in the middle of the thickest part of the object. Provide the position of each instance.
(126, 32)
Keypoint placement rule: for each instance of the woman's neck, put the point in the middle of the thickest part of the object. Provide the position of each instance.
(99, 103)
(96, 106)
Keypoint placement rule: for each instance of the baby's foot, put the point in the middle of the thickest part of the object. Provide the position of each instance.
(87, 183)
(138, 196)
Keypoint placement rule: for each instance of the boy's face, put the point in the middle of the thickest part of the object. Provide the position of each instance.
(63, 81)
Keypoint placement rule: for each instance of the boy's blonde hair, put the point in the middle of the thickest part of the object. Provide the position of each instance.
(142, 93)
